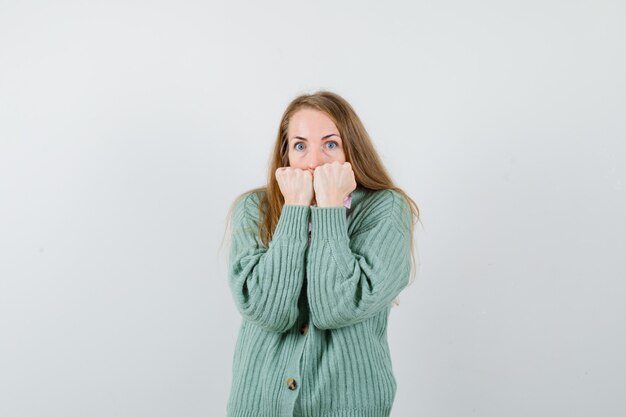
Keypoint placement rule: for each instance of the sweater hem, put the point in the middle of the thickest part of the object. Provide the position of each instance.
(383, 411)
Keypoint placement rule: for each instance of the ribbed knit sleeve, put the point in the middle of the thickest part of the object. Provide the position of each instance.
(266, 282)
(351, 278)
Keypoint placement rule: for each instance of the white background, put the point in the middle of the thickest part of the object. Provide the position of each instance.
(128, 127)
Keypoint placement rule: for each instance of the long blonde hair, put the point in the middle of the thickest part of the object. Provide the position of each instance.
(367, 166)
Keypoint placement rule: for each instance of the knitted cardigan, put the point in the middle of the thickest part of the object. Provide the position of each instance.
(313, 335)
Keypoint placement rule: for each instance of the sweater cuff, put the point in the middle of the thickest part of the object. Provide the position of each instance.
(328, 222)
(293, 222)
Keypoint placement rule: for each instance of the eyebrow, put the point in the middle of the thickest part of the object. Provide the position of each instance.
(324, 138)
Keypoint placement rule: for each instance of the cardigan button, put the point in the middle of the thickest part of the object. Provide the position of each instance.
(291, 383)
(304, 329)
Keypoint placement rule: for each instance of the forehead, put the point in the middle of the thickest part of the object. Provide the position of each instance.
(311, 121)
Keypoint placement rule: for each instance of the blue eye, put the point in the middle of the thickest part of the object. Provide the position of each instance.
(296, 145)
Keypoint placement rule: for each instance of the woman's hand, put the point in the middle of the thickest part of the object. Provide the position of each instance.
(296, 185)
(332, 183)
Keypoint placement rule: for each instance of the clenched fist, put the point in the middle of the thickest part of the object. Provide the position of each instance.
(296, 185)
(332, 182)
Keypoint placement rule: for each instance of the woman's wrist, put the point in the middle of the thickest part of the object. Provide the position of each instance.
(296, 203)
(330, 204)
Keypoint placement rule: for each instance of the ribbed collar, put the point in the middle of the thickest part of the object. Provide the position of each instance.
(357, 195)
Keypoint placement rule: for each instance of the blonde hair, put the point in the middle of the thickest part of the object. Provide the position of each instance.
(367, 166)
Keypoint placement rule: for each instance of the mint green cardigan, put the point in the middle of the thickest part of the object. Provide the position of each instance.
(313, 335)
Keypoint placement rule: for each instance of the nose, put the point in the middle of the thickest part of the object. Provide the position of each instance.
(314, 161)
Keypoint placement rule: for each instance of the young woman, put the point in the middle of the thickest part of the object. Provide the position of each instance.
(318, 256)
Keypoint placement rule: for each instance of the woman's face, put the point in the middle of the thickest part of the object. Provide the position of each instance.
(313, 140)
